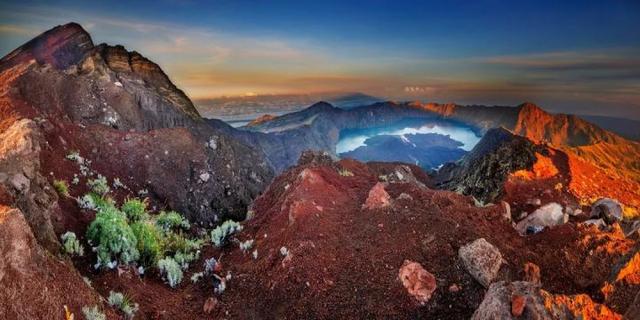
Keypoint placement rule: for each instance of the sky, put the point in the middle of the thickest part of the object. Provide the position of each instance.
(567, 56)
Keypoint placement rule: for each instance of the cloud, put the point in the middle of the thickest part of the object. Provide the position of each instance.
(570, 61)
(17, 30)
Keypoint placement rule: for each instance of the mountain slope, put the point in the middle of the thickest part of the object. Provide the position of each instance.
(118, 108)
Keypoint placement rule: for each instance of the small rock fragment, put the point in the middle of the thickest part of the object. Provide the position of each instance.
(419, 283)
(454, 288)
(378, 197)
(517, 305)
(209, 305)
(532, 273)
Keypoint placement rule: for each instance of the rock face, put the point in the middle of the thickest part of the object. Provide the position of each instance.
(549, 215)
(23, 184)
(117, 108)
(482, 260)
(34, 284)
(483, 171)
(420, 284)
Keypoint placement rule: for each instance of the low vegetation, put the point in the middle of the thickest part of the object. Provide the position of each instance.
(71, 244)
(345, 173)
(135, 209)
(171, 271)
(62, 187)
(93, 313)
(220, 233)
(130, 235)
(112, 238)
(123, 303)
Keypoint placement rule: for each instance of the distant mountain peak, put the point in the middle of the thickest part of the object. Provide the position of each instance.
(321, 106)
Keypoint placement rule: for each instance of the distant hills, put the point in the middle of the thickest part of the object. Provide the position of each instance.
(248, 108)
(627, 128)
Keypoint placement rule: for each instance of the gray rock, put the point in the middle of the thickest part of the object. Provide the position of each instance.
(548, 215)
(608, 209)
(204, 177)
(497, 301)
(20, 182)
(482, 260)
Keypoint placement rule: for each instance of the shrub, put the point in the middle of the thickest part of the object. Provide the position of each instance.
(113, 238)
(75, 157)
(61, 187)
(93, 201)
(171, 220)
(135, 209)
(99, 185)
(149, 242)
(184, 250)
(197, 276)
(185, 258)
(117, 184)
(171, 271)
(123, 303)
(345, 173)
(246, 245)
(71, 244)
(93, 313)
(221, 232)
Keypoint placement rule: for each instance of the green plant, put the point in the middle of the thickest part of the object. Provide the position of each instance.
(246, 245)
(75, 157)
(171, 271)
(99, 185)
(197, 276)
(171, 221)
(221, 232)
(93, 313)
(345, 173)
(123, 303)
(61, 187)
(149, 242)
(114, 239)
(94, 201)
(71, 244)
(184, 250)
(135, 209)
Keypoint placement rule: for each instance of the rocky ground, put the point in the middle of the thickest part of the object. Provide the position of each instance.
(519, 228)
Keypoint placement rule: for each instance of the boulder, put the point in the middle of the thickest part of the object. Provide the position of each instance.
(608, 209)
(378, 197)
(420, 283)
(548, 215)
(482, 260)
(526, 300)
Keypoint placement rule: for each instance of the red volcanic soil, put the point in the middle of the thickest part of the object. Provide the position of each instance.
(343, 260)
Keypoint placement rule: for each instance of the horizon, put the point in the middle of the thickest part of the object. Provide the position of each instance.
(579, 58)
